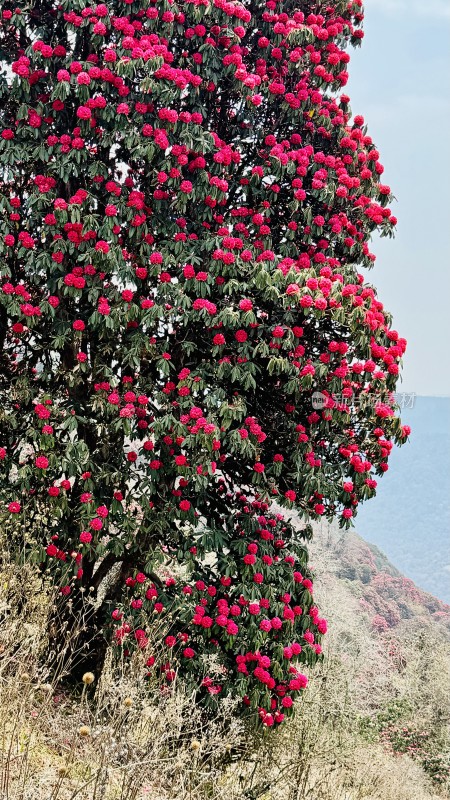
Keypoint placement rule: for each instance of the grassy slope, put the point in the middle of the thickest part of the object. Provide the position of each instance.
(372, 725)
(394, 639)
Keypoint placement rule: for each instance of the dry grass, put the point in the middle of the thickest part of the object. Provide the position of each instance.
(118, 739)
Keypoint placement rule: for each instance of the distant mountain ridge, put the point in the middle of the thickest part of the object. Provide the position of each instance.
(410, 516)
(384, 594)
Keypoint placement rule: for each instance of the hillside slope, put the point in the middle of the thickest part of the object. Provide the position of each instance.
(384, 595)
(372, 724)
(394, 641)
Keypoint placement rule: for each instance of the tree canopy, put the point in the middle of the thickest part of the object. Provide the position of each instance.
(186, 334)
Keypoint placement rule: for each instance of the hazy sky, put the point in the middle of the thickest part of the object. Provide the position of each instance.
(400, 83)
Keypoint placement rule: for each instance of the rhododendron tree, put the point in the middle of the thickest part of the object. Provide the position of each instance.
(186, 334)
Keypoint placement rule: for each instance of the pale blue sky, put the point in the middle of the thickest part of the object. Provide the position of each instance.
(400, 83)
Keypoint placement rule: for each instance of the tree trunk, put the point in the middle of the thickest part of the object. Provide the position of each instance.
(76, 642)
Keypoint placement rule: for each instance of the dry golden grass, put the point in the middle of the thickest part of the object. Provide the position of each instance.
(118, 739)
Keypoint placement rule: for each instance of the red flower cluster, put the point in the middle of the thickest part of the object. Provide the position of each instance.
(217, 614)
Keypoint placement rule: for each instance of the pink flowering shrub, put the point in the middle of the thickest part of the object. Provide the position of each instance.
(252, 608)
(185, 331)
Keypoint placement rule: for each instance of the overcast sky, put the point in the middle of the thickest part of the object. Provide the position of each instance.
(400, 83)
